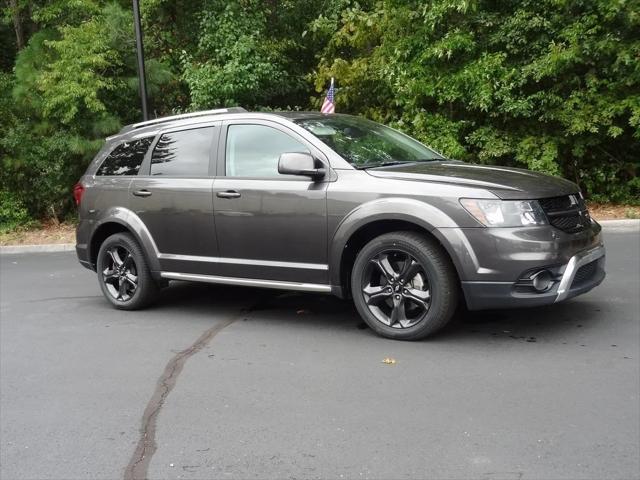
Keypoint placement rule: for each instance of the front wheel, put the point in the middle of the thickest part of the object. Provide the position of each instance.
(123, 273)
(404, 286)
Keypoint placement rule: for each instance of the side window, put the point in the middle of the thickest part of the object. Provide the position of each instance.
(126, 158)
(183, 154)
(254, 150)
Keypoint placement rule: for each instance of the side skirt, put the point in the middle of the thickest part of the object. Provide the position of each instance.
(248, 282)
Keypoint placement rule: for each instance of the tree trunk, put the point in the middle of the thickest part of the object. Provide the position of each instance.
(17, 23)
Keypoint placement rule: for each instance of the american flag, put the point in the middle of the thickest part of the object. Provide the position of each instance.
(329, 106)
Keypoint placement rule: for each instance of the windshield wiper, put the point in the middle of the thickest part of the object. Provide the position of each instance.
(384, 164)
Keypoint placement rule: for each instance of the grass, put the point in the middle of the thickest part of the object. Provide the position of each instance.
(633, 213)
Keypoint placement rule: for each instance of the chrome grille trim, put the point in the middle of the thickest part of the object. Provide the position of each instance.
(567, 213)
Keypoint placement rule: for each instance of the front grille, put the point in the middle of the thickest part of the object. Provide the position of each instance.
(585, 273)
(567, 213)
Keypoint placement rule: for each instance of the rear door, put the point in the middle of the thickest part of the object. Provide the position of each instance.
(172, 195)
(269, 226)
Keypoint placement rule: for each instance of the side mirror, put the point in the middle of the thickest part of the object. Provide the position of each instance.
(297, 163)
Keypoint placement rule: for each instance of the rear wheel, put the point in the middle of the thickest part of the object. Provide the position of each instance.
(404, 286)
(123, 273)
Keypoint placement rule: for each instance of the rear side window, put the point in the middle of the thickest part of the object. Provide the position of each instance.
(126, 158)
(183, 154)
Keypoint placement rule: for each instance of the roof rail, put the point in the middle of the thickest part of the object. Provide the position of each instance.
(182, 116)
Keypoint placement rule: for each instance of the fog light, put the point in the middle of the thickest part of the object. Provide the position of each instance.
(542, 281)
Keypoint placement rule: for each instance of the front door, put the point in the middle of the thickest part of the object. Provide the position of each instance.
(269, 226)
(174, 199)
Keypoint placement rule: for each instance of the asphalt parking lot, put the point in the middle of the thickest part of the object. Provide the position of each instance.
(221, 382)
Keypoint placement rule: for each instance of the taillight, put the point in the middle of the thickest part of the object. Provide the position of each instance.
(78, 190)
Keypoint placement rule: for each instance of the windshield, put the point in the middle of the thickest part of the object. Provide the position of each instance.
(366, 144)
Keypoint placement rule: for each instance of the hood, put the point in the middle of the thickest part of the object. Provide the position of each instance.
(504, 182)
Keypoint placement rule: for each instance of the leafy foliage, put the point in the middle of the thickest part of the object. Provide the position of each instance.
(73, 84)
(247, 55)
(12, 212)
(549, 85)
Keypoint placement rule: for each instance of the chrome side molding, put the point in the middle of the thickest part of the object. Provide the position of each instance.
(243, 261)
(248, 282)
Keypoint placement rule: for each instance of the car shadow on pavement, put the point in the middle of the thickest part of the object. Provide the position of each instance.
(552, 322)
(300, 310)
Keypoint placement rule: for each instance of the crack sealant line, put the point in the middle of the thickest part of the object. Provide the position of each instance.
(138, 466)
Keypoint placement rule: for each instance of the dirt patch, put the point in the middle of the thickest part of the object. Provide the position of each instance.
(608, 211)
(46, 234)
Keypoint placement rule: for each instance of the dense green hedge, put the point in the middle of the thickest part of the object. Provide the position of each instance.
(549, 85)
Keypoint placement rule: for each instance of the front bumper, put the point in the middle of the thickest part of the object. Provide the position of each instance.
(489, 295)
(494, 264)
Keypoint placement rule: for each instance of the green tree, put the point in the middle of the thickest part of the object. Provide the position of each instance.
(552, 86)
(250, 53)
(74, 83)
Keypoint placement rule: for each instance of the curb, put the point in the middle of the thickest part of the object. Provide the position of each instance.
(627, 225)
(607, 225)
(52, 247)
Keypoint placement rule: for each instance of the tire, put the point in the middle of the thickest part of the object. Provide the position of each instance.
(404, 286)
(125, 280)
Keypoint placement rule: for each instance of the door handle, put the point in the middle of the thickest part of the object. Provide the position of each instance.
(142, 193)
(228, 194)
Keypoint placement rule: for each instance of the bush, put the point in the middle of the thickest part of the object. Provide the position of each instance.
(13, 213)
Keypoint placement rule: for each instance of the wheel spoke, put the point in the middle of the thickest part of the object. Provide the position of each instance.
(376, 294)
(384, 265)
(409, 270)
(132, 279)
(419, 297)
(122, 289)
(398, 313)
(109, 274)
(115, 257)
(128, 259)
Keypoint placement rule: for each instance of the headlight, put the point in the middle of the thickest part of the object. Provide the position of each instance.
(505, 213)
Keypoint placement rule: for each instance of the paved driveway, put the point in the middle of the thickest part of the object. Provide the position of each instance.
(219, 382)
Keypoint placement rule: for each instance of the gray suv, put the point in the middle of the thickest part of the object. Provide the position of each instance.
(329, 204)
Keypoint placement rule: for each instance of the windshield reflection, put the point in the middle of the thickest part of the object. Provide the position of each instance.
(367, 144)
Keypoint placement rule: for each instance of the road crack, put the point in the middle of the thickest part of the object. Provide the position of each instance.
(138, 466)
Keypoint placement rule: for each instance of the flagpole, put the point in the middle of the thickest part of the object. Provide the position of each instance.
(142, 78)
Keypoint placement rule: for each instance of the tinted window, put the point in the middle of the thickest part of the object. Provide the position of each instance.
(254, 150)
(183, 154)
(126, 158)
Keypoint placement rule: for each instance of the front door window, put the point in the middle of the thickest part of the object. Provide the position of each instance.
(254, 150)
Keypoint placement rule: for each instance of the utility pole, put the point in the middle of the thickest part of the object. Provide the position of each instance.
(142, 77)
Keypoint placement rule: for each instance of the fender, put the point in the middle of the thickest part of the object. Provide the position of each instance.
(406, 209)
(134, 224)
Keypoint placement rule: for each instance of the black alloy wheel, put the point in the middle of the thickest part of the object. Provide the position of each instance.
(120, 275)
(396, 288)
